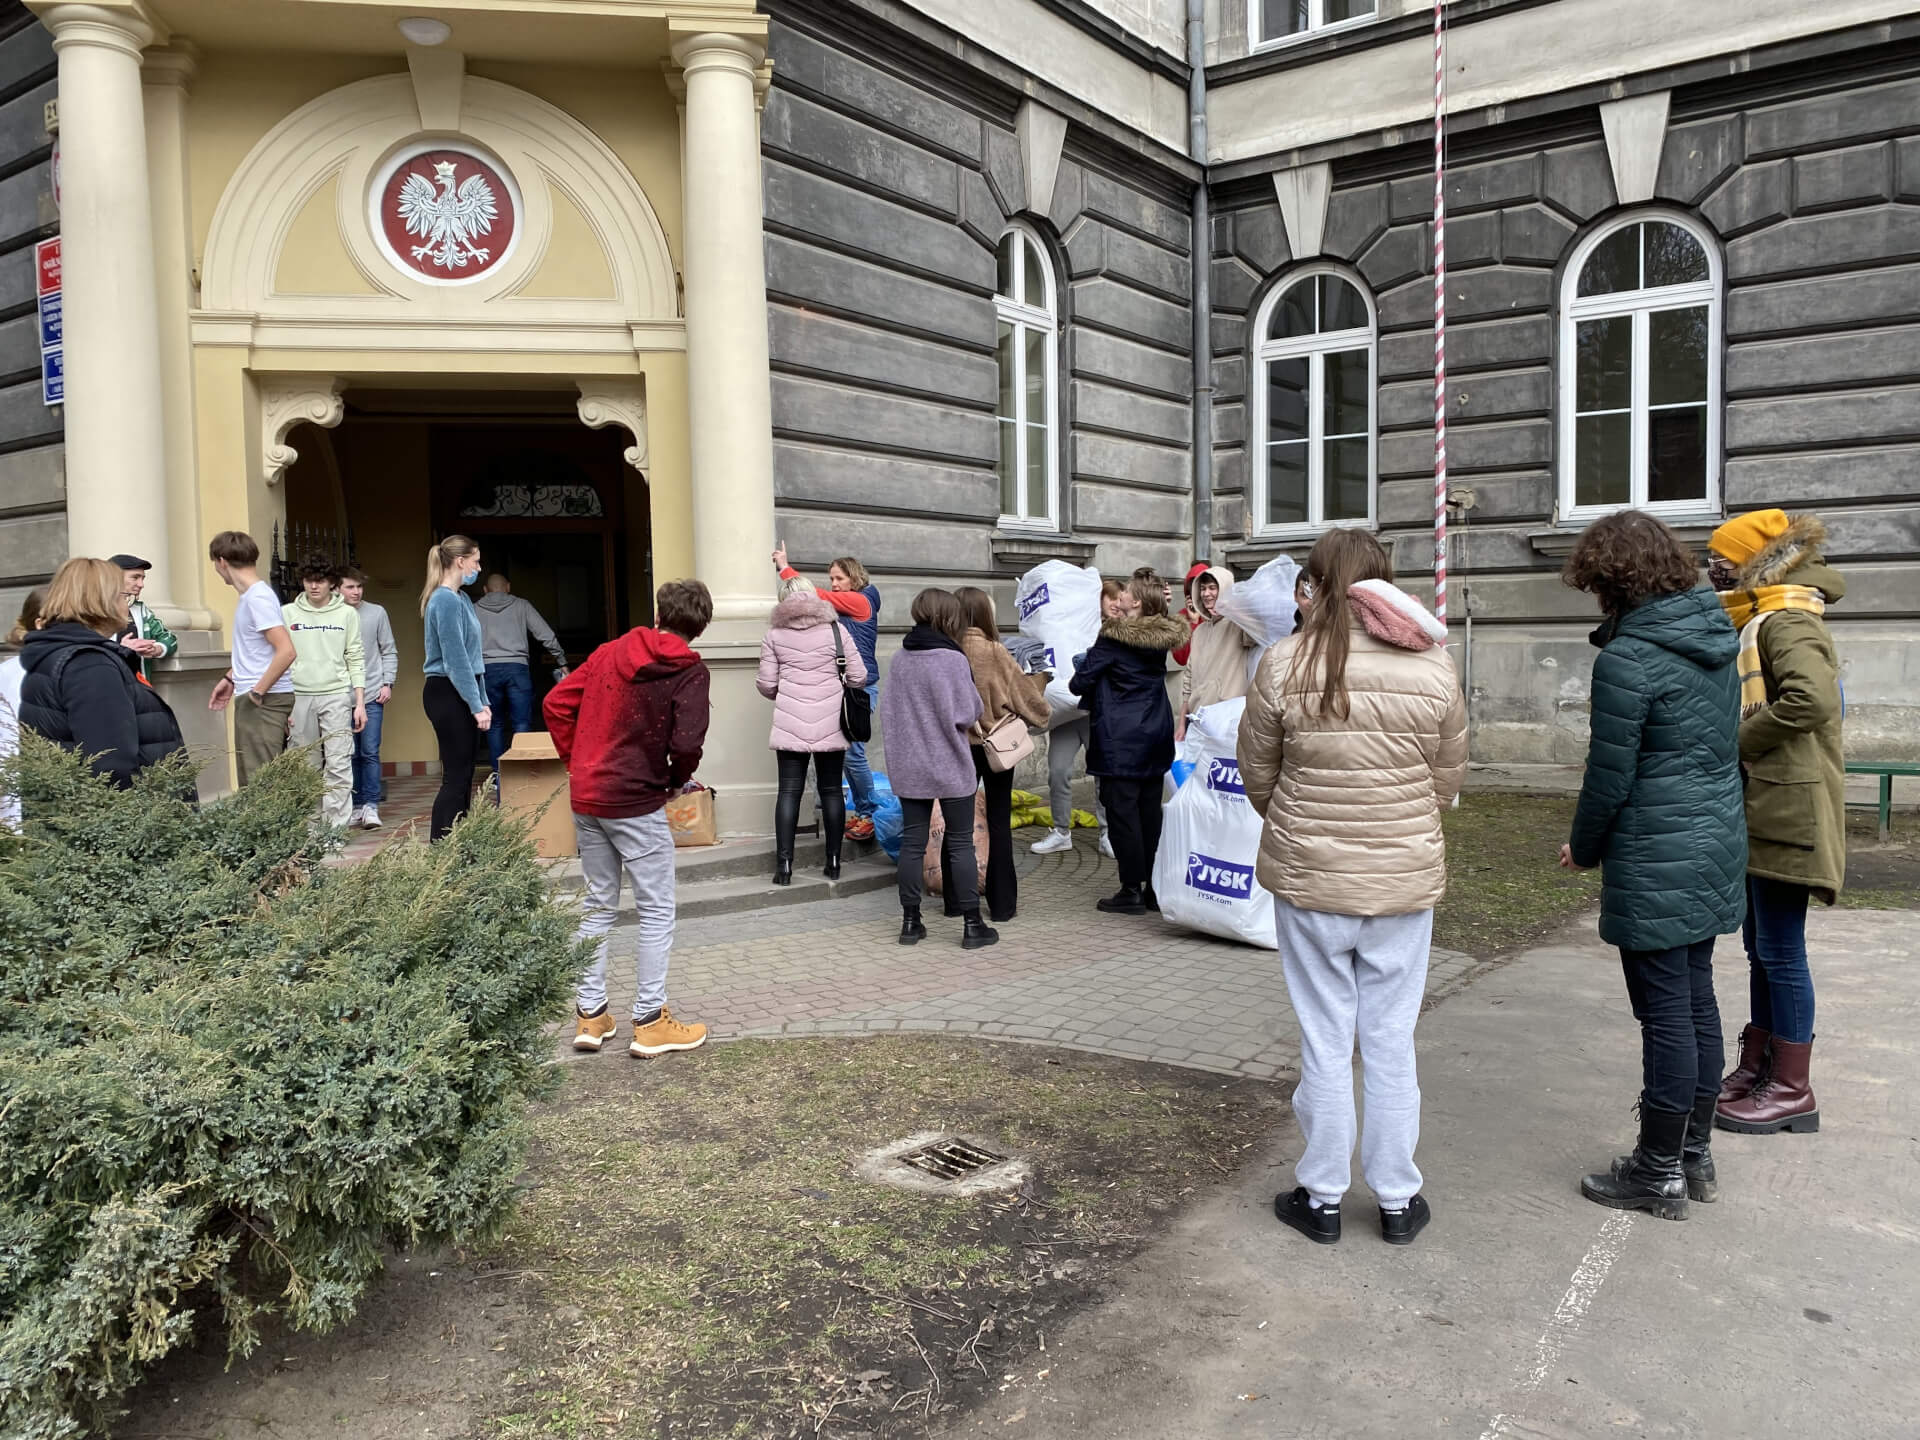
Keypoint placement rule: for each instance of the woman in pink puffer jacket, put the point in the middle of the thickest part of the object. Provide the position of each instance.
(798, 673)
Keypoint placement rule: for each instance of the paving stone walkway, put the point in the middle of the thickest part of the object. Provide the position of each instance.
(1062, 974)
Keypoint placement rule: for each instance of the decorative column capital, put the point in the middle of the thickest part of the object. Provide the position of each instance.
(700, 49)
(109, 28)
(622, 403)
(173, 67)
(285, 403)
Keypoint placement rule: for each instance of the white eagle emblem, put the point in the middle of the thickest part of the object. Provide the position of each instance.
(450, 220)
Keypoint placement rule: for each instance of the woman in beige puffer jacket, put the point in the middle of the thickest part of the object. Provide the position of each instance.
(1354, 742)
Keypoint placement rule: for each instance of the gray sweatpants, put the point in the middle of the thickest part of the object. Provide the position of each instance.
(1356, 976)
(1064, 744)
(642, 848)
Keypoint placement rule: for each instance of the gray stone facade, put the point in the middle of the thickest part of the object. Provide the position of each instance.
(33, 522)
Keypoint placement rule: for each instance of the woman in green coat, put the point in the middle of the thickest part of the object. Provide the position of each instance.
(1660, 813)
(1776, 587)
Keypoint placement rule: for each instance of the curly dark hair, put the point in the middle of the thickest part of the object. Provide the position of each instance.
(317, 566)
(1629, 557)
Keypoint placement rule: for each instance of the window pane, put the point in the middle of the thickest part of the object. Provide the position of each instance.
(1009, 425)
(1036, 341)
(1345, 478)
(1279, 18)
(1338, 10)
(1004, 262)
(1677, 454)
(1344, 387)
(1036, 291)
(1287, 483)
(1287, 399)
(1293, 316)
(1603, 460)
(1341, 307)
(1614, 265)
(1603, 363)
(1674, 257)
(1677, 351)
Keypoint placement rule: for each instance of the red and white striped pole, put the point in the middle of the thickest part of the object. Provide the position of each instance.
(1439, 312)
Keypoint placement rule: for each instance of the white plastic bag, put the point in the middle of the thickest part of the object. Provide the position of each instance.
(1210, 839)
(1059, 605)
(1263, 606)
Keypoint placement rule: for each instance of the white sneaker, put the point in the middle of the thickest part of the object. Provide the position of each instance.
(1106, 844)
(1056, 841)
(370, 818)
(353, 820)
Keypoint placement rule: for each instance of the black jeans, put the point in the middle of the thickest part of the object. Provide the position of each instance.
(1681, 1050)
(1133, 821)
(959, 869)
(827, 765)
(1000, 890)
(459, 739)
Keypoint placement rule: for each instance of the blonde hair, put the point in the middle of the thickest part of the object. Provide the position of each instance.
(30, 610)
(441, 559)
(87, 592)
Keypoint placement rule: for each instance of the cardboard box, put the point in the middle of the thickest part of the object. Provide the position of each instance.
(690, 818)
(531, 776)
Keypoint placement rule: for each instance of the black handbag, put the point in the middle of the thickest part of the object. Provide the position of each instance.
(856, 706)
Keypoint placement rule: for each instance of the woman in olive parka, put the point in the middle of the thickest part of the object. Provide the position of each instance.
(1660, 813)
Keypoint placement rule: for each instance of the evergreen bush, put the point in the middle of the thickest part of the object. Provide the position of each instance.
(231, 1077)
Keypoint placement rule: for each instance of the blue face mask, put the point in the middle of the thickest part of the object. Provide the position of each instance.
(470, 579)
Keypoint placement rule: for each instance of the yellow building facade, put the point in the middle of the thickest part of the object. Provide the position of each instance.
(491, 267)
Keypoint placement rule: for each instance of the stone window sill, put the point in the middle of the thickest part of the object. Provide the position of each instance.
(1018, 551)
(1558, 542)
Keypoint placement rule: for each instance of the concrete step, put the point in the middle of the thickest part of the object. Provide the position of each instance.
(737, 875)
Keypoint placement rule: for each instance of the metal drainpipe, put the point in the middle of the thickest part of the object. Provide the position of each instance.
(1202, 285)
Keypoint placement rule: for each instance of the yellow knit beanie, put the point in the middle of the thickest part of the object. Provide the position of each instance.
(1745, 536)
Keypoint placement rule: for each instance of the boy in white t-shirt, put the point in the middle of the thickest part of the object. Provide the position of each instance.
(262, 656)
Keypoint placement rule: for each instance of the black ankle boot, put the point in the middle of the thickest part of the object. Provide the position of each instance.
(977, 935)
(783, 869)
(833, 863)
(1697, 1161)
(912, 932)
(1653, 1178)
(1129, 901)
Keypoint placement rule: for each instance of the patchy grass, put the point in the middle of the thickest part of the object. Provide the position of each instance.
(711, 1265)
(1882, 875)
(1505, 887)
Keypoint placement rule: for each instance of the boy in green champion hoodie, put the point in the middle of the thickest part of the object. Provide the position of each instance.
(329, 682)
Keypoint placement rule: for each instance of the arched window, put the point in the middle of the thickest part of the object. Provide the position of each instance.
(1313, 411)
(1026, 303)
(1640, 371)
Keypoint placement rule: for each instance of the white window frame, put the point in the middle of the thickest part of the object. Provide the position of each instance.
(1316, 24)
(1026, 316)
(1640, 304)
(1315, 347)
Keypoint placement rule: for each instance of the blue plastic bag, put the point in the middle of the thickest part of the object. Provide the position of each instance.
(1181, 770)
(888, 821)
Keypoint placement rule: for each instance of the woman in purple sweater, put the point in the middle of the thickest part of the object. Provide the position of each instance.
(926, 710)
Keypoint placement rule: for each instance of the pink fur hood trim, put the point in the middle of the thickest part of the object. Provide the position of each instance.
(1394, 617)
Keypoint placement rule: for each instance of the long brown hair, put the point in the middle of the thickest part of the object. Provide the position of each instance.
(978, 605)
(1149, 592)
(1627, 557)
(29, 620)
(442, 557)
(939, 609)
(1341, 560)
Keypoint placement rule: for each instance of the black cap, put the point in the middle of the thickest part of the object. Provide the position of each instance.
(130, 562)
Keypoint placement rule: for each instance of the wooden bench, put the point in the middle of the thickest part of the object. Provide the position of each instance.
(1886, 772)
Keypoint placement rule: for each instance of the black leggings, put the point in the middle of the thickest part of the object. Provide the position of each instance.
(459, 736)
(1133, 818)
(1000, 886)
(827, 765)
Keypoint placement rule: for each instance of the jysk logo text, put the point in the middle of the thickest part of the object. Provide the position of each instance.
(1224, 776)
(1033, 602)
(1217, 877)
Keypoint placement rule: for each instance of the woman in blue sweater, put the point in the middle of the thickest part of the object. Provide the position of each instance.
(455, 695)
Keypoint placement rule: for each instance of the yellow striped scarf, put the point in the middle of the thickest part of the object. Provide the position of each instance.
(1748, 610)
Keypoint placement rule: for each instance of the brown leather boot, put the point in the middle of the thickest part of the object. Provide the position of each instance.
(1783, 1100)
(1753, 1061)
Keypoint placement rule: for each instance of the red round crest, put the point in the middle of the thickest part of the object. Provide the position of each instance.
(446, 215)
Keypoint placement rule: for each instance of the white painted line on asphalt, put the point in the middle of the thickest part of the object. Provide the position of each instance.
(1588, 1276)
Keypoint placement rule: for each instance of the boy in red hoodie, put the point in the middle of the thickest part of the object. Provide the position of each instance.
(630, 725)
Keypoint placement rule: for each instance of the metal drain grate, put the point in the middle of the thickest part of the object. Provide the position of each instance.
(951, 1159)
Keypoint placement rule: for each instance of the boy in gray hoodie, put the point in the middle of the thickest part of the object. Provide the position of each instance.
(383, 671)
(508, 628)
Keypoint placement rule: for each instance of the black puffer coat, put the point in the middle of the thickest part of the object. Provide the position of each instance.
(1122, 684)
(79, 692)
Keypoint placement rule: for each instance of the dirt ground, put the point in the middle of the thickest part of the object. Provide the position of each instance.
(696, 1255)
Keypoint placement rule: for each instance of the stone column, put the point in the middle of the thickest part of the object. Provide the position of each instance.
(729, 405)
(116, 441)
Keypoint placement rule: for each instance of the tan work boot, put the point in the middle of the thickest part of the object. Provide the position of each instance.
(664, 1033)
(594, 1030)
